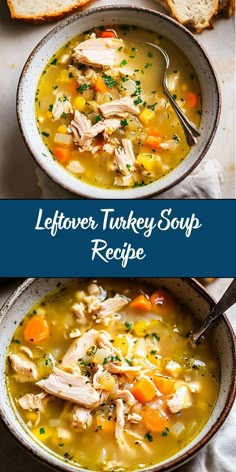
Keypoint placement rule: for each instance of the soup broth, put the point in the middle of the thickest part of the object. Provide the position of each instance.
(102, 113)
(109, 364)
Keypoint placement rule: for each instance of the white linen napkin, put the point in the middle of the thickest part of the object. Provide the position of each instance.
(203, 182)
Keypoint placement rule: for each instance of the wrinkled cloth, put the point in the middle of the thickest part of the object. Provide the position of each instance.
(203, 182)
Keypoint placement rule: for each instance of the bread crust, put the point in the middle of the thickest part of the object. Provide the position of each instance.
(50, 16)
(190, 23)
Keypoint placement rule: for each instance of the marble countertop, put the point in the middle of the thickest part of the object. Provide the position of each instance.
(17, 168)
(217, 456)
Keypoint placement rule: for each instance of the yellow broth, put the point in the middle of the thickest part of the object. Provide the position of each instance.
(157, 137)
(162, 332)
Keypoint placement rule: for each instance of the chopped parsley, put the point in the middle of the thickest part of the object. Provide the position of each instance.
(139, 184)
(128, 361)
(55, 87)
(148, 436)
(124, 122)
(16, 341)
(123, 63)
(63, 115)
(128, 326)
(165, 432)
(98, 428)
(176, 138)
(147, 65)
(155, 336)
(45, 134)
(153, 106)
(61, 444)
(82, 88)
(174, 96)
(153, 351)
(138, 101)
(199, 112)
(109, 81)
(53, 63)
(111, 359)
(42, 430)
(50, 107)
(97, 118)
(150, 54)
(70, 75)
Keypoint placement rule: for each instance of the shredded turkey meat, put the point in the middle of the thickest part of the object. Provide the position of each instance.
(81, 418)
(25, 369)
(33, 402)
(98, 52)
(79, 347)
(125, 157)
(72, 387)
(120, 107)
(61, 106)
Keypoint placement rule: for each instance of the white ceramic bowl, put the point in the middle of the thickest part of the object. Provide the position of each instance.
(116, 14)
(189, 292)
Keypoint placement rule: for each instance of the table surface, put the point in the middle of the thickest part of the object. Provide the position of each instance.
(14, 458)
(17, 168)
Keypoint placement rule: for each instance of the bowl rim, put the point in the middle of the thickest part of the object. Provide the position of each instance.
(140, 192)
(29, 446)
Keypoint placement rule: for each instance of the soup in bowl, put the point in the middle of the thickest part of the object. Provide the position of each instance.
(109, 363)
(102, 112)
(96, 117)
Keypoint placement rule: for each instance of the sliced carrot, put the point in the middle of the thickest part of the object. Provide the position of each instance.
(73, 85)
(108, 34)
(144, 390)
(153, 141)
(36, 330)
(141, 303)
(154, 420)
(164, 384)
(104, 425)
(153, 132)
(191, 99)
(162, 302)
(62, 155)
(100, 85)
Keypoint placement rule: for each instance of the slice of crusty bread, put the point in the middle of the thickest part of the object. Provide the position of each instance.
(196, 14)
(227, 7)
(43, 10)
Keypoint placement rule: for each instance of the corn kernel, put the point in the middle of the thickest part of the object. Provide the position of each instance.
(42, 433)
(121, 343)
(146, 116)
(79, 103)
(62, 129)
(31, 416)
(149, 161)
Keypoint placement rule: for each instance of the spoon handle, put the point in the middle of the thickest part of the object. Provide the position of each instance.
(190, 130)
(226, 301)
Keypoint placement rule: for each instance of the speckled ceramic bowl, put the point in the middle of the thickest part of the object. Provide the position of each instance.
(116, 14)
(189, 292)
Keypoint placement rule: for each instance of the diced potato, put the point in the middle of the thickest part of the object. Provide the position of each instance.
(146, 116)
(65, 434)
(63, 139)
(107, 381)
(173, 368)
(79, 103)
(149, 161)
(64, 76)
(121, 343)
(100, 355)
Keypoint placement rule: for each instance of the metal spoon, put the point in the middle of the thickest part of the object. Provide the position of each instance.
(227, 300)
(190, 130)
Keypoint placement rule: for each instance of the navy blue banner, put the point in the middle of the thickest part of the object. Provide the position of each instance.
(120, 238)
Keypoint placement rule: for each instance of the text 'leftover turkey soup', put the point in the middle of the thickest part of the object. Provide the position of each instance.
(108, 365)
(102, 113)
